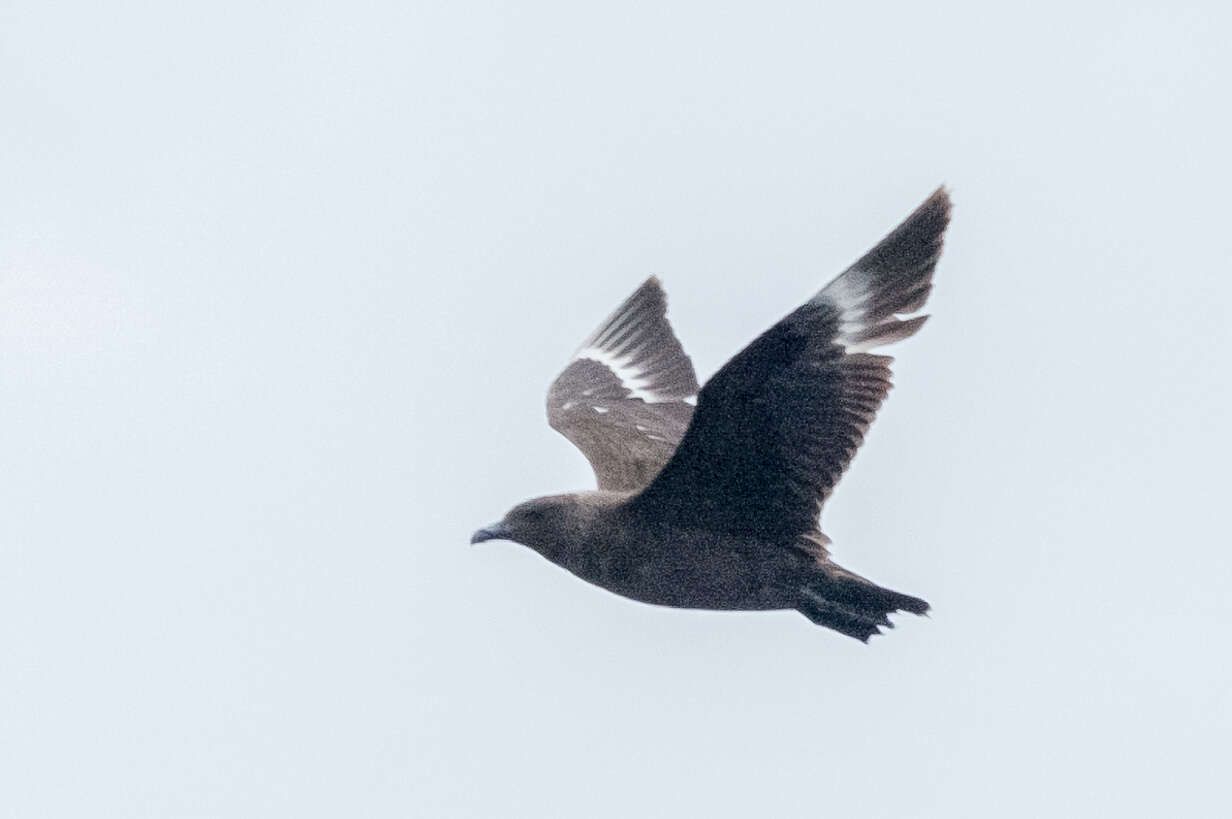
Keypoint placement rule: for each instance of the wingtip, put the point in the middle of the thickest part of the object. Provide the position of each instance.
(941, 203)
(653, 286)
(940, 198)
(935, 208)
(902, 263)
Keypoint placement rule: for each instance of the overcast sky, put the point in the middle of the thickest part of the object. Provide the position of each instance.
(282, 286)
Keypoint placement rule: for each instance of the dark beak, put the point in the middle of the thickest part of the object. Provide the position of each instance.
(497, 531)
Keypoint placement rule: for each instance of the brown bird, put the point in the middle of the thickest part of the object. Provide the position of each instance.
(711, 499)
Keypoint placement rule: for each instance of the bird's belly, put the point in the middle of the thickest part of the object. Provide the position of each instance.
(731, 579)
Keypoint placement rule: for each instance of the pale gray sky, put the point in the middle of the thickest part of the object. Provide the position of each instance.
(282, 286)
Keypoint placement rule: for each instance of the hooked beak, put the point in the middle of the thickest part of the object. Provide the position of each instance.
(497, 531)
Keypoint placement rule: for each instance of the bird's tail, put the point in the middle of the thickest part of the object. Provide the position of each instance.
(836, 598)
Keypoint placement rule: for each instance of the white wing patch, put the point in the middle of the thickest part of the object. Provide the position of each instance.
(849, 294)
(852, 295)
(631, 377)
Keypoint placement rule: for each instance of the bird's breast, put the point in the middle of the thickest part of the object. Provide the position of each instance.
(688, 570)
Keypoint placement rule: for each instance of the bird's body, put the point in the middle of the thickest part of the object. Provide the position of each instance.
(710, 498)
(614, 546)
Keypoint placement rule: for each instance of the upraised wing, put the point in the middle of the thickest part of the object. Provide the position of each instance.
(625, 399)
(776, 427)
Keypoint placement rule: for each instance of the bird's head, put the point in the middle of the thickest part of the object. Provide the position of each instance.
(543, 524)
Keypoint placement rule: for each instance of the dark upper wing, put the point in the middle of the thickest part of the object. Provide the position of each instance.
(622, 398)
(777, 425)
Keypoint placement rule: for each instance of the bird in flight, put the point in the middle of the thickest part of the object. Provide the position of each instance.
(711, 498)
